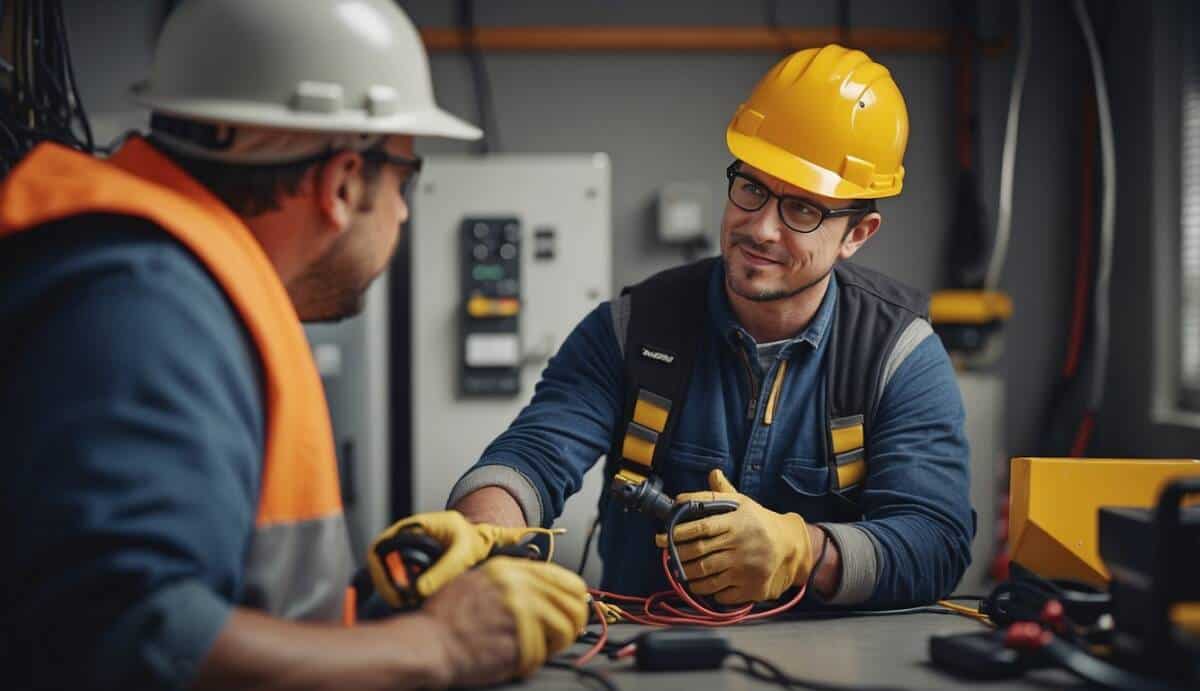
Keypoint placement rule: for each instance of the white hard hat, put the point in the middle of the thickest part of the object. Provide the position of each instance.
(316, 65)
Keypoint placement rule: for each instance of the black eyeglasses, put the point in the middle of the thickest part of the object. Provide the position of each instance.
(375, 154)
(798, 214)
(413, 164)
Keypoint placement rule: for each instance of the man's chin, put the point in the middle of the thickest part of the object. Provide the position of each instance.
(755, 288)
(334, 312)
(753, 284)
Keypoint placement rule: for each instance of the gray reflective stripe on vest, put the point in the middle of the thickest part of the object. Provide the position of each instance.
(620, 309)
(300, 570)
(912, 336)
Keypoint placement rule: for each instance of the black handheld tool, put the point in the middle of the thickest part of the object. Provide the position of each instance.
(644, 497)
(648, 497)
(410, 553)
(405, 556)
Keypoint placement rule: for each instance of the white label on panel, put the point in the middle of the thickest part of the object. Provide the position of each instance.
(493, 350)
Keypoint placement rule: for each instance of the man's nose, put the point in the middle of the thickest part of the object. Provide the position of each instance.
(403, 210)
(767, 225)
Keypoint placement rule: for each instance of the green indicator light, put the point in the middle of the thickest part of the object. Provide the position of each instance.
(487, 272)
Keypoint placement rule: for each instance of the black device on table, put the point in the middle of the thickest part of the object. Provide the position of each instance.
(1154, 558)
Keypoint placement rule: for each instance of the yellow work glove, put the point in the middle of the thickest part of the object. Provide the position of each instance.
(548, 603)
(747, 555)
(465, 544)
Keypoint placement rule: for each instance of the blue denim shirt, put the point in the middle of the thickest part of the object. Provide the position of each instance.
(915, 497)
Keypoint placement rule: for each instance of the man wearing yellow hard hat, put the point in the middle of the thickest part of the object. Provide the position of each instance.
(808, 390)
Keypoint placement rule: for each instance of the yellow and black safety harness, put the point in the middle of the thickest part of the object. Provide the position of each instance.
(666, 320)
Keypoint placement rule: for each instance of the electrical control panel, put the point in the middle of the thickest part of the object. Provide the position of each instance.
(508, 254)
(490, 279)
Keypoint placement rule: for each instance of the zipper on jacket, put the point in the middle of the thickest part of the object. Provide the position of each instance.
(753, 403)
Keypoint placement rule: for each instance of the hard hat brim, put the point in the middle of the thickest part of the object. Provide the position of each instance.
(429, 122)
(797, 171)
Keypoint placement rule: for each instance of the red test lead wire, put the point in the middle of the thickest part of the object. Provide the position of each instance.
(658, 609)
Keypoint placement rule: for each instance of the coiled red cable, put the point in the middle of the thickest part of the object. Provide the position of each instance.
(664, 609)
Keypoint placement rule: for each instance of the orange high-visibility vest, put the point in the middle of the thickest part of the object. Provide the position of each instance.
(299, 563)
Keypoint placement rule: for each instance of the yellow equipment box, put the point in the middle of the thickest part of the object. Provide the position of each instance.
(1053, 519)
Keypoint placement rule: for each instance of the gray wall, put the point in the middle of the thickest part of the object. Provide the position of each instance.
(661, 117)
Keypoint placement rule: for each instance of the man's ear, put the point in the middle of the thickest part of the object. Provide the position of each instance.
(857, 236)
(339, 189)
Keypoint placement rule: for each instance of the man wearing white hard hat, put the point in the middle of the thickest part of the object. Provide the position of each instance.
(175, 517)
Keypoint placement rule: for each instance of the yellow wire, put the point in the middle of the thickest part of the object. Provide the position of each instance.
(549, 532)
(611, 612)
(966, 611)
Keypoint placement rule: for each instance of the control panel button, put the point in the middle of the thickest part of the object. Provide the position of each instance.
(482, 307)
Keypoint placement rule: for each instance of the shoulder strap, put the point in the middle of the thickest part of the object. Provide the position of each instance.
(873, 313)
(666, 314)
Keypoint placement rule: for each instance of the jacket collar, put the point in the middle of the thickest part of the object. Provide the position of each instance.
(722, 318)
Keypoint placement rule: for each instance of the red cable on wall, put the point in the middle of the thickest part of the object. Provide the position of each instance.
(1083, 264)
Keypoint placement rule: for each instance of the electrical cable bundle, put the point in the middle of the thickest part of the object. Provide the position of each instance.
(969, 237)
(658, 611)
(490, 142)
(40, 98)
(678, 607)
(1080, 391)
(1008, 156)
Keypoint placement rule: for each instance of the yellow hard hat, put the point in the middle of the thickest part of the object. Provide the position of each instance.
(828, 120)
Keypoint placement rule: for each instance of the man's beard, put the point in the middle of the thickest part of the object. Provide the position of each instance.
(328, 293)
(768, 295)
(772, 295)
(336, 309)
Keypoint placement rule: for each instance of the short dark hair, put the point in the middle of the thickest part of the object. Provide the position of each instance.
(866, 207)
(250, 190)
